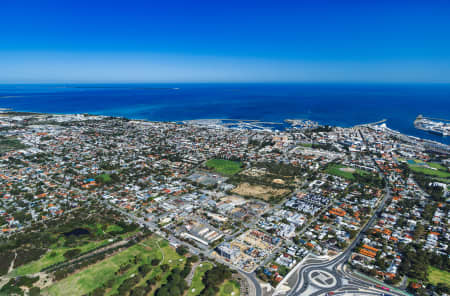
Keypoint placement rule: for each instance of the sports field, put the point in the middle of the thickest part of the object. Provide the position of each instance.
(431, 168)
(437, 276)
(224, 167)
(344, 172)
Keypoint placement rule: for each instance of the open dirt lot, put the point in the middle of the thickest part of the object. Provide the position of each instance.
(259, 191)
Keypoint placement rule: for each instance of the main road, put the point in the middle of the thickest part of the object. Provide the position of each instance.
(317, 276)
(309, 275)
(254, 285)
(320, 276)
(314, 276)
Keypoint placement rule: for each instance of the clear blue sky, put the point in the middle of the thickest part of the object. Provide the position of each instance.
(225, 40)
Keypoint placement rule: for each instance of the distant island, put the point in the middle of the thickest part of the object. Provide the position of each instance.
(116, 87)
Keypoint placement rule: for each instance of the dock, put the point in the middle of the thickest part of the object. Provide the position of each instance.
(371, 123)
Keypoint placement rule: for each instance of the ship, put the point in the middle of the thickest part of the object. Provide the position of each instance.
(436, 126)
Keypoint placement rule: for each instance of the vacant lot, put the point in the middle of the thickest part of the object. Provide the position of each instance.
(225, 167)
(259, 191)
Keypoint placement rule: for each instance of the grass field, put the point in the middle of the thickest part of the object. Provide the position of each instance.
(104, 178)
(430, 172)
(197, 283)
(308, 145)
(336, 170)
(113, 227)
(96, 275)
(437, 166)
(224, 167)
(229, 288)
(434, 169)
(438, 276)
(55, 255)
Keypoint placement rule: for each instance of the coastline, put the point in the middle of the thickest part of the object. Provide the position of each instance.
(203, 121)
(328, 104)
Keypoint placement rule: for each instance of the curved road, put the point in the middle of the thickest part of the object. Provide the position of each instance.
(335, 266)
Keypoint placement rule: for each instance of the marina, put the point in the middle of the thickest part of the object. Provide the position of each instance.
(302, 123)
(233, 123)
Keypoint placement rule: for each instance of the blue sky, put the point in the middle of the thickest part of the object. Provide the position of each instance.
(224, 41)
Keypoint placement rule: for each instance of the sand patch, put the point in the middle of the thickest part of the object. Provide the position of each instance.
(278, 181)
(259, 191)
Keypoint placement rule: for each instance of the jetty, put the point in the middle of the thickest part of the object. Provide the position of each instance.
(371, 123)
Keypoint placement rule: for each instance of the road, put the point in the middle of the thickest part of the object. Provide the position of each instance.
(254, 285)
(320, 276)
(344, 280)
(310, 274)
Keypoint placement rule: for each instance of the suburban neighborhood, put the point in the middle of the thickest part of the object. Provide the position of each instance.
(152, 205)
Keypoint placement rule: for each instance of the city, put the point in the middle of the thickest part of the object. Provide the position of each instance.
(99, 205)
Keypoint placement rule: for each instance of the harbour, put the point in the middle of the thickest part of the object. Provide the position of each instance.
(437, 126)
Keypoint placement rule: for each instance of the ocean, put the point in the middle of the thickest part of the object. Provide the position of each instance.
(333, 104)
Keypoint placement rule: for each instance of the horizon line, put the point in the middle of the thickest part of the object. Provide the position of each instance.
(228, 82)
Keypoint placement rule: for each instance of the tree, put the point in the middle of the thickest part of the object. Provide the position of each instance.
(35, 291)
(155, 262)
(213, 278)
(144, 269)
(182, 250)
(175, 285)
(72, 253)
(100, 291)
(165, 267)
(163, 291)
(419, 231)
(193, 259)
(138, 291)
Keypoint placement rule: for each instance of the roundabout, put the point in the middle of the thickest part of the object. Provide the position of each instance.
(322, 279)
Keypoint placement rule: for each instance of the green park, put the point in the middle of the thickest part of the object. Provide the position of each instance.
(224, 167)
